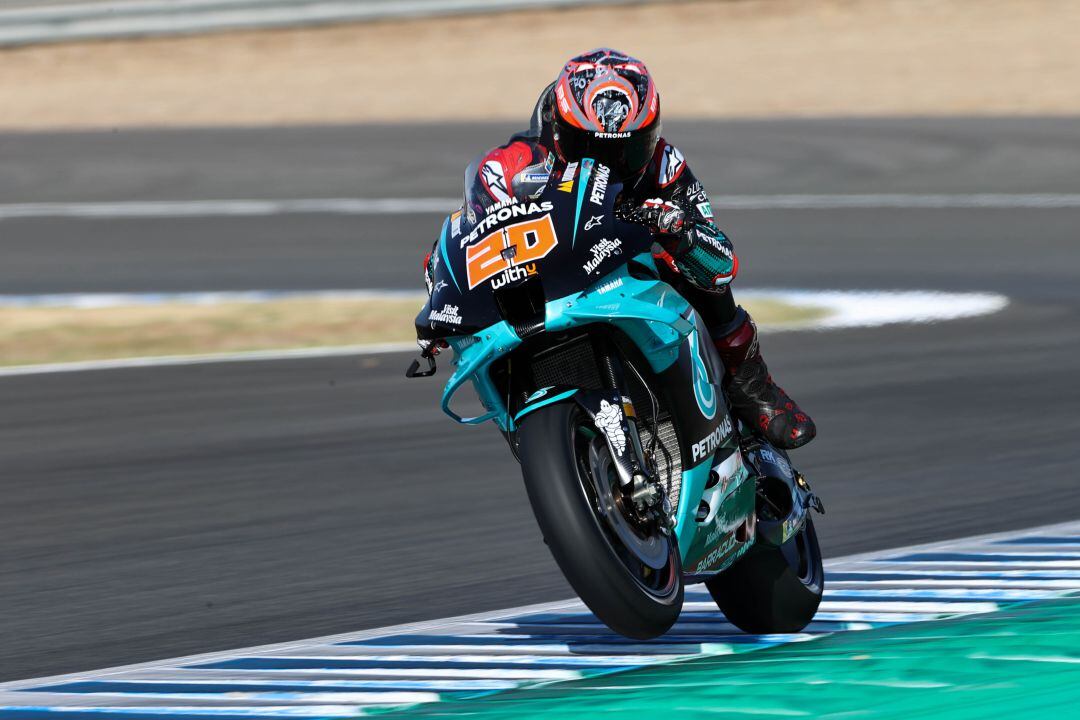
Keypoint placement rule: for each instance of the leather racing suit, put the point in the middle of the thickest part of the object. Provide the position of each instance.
(699, 261)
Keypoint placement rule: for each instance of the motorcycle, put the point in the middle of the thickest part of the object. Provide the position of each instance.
(607, 387)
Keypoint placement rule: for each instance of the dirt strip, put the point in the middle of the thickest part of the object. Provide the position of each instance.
(64, 334)
(713, 59)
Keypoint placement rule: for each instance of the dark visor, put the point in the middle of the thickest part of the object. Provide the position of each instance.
(626, 156)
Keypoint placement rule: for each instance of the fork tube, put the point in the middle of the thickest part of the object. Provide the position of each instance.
(611, 370)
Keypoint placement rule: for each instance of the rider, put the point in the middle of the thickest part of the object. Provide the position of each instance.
(604, 105)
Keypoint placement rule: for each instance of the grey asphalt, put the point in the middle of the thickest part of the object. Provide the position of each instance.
(156, 512)
(813, 156)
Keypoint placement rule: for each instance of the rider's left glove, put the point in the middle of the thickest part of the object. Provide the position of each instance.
(431, 348)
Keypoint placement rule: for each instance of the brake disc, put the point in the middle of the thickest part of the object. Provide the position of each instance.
(652, 550)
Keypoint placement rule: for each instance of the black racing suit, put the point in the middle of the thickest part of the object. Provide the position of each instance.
(699, 261)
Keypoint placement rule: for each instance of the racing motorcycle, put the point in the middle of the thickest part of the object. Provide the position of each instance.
(605, 384)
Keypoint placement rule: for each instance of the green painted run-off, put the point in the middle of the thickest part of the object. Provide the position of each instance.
(1021, 662)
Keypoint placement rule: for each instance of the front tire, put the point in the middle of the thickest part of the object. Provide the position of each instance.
(600, 555)
(773, 589)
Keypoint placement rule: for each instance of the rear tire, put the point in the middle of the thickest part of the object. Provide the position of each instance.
(626, 594)
(773, 589)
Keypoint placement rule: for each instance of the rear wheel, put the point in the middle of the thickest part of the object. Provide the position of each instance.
(627, 573)
(773, 589)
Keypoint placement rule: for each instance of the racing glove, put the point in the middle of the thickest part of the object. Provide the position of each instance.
(660, 216)
(706, 257)
(431, 348)
(697, 250)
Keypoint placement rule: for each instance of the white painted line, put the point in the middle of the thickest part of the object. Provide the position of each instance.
(468, 659)
(172, 360)
(927, 607)
(870, 605)
(94, 301)
(406, 206)
(138, 18)
(949, 573)
(227, 208)
(900, 201)
(283, 711)
(242, 698)
(853, 308)
(951, 593)
(913, 584)
(992, 566)
(375, 674)
(1064, 659)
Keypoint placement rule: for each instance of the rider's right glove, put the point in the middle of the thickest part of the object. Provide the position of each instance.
(431, 348)
(705, 257)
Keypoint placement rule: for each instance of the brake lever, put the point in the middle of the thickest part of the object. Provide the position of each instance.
(414, 370)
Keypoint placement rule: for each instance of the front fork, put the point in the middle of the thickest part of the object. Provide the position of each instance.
(615, 417)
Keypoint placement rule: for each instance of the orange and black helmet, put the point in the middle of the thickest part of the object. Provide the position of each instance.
(606, 107)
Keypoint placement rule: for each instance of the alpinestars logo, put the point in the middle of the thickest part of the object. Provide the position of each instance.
(671, 165)
(448, 315)
(495, 179)
(594, 221)
(609, 422)
(599, 188)
(601, 251)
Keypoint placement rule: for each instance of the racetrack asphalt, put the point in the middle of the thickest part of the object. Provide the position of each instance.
(149, 513)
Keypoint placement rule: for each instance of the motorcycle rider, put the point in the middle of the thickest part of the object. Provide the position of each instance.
(604, 105)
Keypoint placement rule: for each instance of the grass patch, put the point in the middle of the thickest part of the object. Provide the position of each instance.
(52, 335)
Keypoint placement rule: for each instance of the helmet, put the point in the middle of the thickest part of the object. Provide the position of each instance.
(606, 107)
(512, 172)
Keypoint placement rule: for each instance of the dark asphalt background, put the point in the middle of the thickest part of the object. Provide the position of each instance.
(156, 512)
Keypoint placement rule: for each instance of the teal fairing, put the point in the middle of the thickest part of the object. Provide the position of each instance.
(649, 312)
(661, 324)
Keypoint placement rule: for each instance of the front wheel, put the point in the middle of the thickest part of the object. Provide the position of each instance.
(629, 575)
(773, 589)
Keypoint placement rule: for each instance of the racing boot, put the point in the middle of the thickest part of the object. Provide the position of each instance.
(755, 398)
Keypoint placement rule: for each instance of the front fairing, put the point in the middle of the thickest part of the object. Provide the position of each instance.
(655, 317)
(672, 340)
(566, 239)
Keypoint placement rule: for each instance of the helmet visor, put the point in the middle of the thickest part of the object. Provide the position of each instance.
(626, 156)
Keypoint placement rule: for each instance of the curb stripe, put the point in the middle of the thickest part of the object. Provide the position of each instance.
(475, 656)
